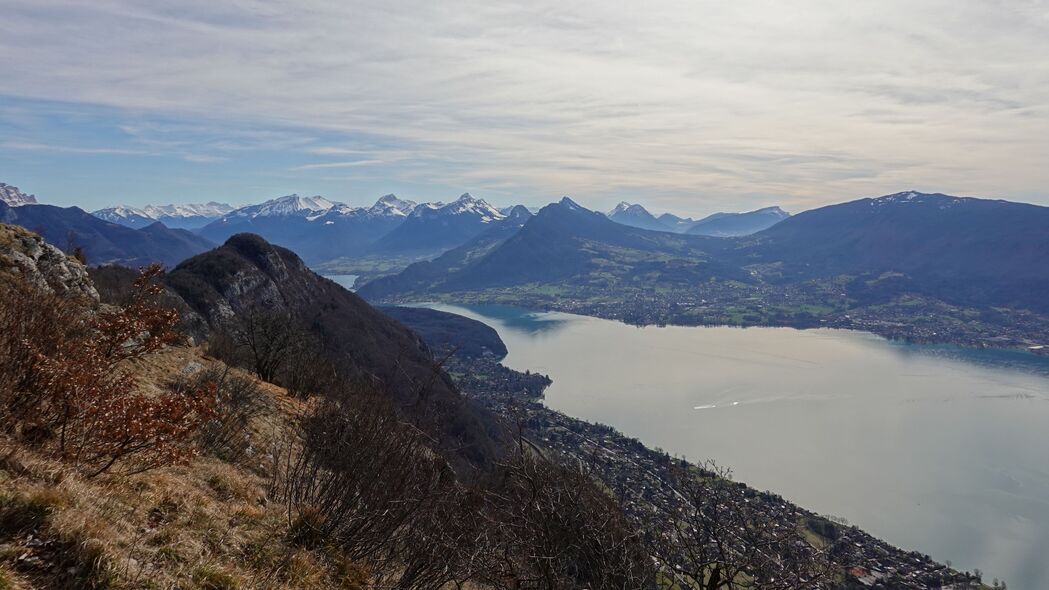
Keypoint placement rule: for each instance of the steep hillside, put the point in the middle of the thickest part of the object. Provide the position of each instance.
(103, 242)
(248, 277)
(958, 249)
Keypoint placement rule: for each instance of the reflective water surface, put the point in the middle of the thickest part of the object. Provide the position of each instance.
(345, 281)
(932, 448)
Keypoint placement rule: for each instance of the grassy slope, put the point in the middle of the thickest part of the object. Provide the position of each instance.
(205, 525)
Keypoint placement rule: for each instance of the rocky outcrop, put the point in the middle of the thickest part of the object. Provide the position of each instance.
(26, 255)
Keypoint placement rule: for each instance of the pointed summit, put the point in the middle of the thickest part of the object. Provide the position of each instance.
(391, 205)
(567, 202)
(636, 216)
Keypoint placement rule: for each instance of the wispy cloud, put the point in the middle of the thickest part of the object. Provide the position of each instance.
(349, 164)
(203, 158)
(698, 104)
(68, 149)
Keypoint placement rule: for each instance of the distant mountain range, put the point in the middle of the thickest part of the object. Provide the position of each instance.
(964, 250)
(977, 251)
(432, 228)
(718, 224)
(314, 227)
(103, 242)
(564, 243)
(187, 216)
(738, 224)
(320, 230)
(427, 274)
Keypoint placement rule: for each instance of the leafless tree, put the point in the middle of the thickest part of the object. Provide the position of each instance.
(267, 336)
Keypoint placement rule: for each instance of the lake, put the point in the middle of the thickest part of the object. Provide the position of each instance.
(345, 281)
(934, 448)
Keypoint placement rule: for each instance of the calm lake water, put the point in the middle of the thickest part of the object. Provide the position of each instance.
(345, 281)
(932, 448)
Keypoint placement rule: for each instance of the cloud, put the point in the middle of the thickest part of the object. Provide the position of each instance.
(203, 158)
(698, 104)
(349, 164)
(45, 147)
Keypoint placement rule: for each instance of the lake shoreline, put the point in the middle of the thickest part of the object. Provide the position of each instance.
(978, 391)
(891, 332)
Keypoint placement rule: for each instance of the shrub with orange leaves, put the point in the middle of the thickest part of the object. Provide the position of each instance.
(84, 398)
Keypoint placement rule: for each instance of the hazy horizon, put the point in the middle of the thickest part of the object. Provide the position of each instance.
(690, 108)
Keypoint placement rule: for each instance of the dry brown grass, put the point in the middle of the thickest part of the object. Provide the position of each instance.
(205, 525)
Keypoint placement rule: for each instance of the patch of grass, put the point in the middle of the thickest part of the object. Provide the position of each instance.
(7, 580)
(25, 512)
(209, 577)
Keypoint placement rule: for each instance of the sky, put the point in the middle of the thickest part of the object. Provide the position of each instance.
(690, 107)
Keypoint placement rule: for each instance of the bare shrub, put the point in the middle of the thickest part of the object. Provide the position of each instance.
(69, 389)
(32, 324)
(552, 528)
(358, 477)
(238, 402)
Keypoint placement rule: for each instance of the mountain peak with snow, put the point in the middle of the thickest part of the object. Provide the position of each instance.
(14, 197)
(126, 216)
(466, 204)
(391, 205)
(182, 210)
(291, 204)
(915, 198)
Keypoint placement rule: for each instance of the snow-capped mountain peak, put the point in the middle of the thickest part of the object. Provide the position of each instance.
(124, 215)
(288, 205)
(915, 197)
(774, 211)
(391, 205)
(620, 208)
(14, 197)
(209, 209)
(466, 204)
